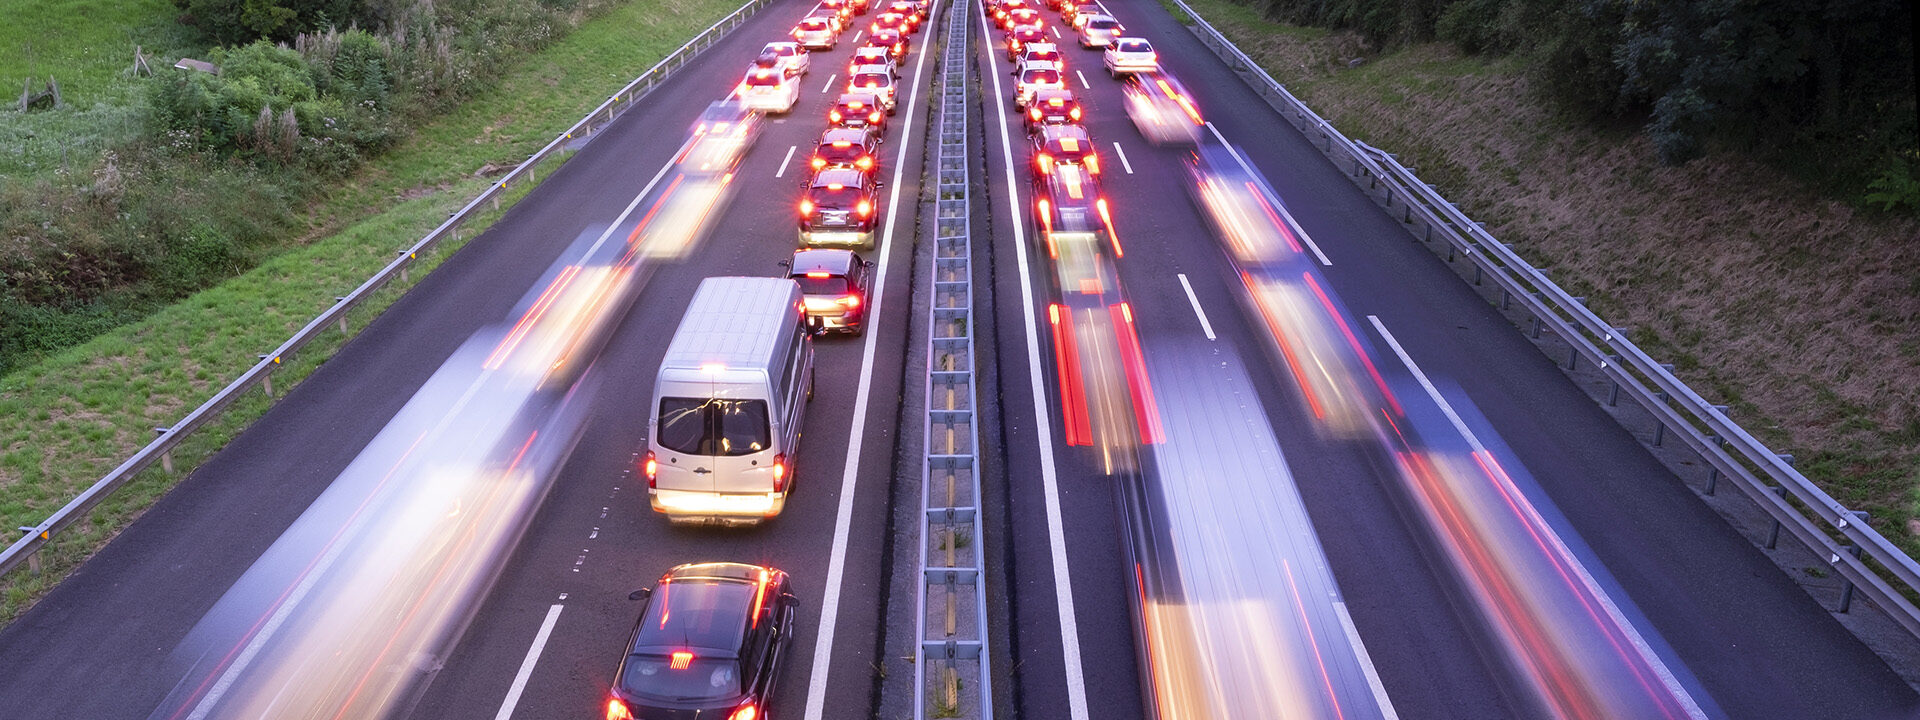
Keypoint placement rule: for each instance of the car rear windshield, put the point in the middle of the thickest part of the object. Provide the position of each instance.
(814, 24)
(715, 427)
(828, 197)
(691, 678)
(1103, 24)
(1134, 46)
(1040, 76)
(840, 151)
(872, 80)
(763, 79)
(829, 285)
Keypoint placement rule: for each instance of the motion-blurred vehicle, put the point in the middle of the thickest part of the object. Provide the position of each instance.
(891, 41)
(816, 34)
(710, 643)
(1057, 145)
(1099, 31)
(834, 285)
(876, 82)
(719, 138)
(789, 56)
(769, 90)
(841, 206)
(832, 16)
(841, 147)
(858, 110)
(873, 55)
(1162, 109)
(1068, 185)
(1129, 55)
(1039, 52)
(1052, 107)
(1034, 77)
(731, 402)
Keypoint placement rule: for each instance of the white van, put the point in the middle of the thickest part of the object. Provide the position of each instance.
(729, 403)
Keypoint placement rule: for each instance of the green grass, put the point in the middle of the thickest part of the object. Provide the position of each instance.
(87, 45)
(68, 419)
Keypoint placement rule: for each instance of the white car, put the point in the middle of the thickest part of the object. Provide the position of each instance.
(1099, 31)
(791, 57)
(877, 80)
(1039, 52)
(869, 56)
(816, 34)
(1034, 77)
(1131, 55)
(769, 90)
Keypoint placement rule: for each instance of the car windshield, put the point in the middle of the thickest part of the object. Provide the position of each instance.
(1040, 77)
(1134, 46)
(840, 151)
(715, 427)
(682, 678)
(821, 284)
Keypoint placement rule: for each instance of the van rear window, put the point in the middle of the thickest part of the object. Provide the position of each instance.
(715, 427)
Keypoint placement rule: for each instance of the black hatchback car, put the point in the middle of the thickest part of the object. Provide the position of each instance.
(709, 645)
(841, 206)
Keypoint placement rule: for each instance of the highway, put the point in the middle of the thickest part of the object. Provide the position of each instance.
(1403, 632)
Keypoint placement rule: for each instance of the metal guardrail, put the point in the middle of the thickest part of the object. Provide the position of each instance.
(1886, 574)
(26, 550)
(951, 674)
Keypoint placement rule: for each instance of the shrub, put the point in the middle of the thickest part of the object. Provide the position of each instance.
(1477, 26)
(235, 22)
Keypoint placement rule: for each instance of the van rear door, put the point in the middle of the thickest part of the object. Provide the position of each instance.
(681, 432)
(744, 450)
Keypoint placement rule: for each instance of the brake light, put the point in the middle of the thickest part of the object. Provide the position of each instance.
(873, 116)
(842, 143)
(806, 208)
(865, 208)
(1046, 214)
(1074, 113)
(746, 712)
(819, 162)
(1033, 113)
(1093, 163)
(834, 116)
(780, 473)
(652, 468)
(852, 301)
(1046, 163)
(617, 710)
(865, 161)
(819, 274)
(680, 660)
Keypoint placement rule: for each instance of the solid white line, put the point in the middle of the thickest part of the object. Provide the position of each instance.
(843, 519)
(1204, 325)
(526, 666)
(1049, 480)
(1366, 662)
(1123, 157)
(1083, 80)
(785, 160)
(1292, 224)
(1533, 517)
(830, 79)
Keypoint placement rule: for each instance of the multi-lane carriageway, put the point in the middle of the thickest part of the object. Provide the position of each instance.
(1737, 637)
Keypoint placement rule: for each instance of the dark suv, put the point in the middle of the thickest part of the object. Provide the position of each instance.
(833, 285)
(843, 147)
(858, 110)
(709, 644)
(840, 207)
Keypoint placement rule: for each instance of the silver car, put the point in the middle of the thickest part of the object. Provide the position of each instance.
(1099, 31)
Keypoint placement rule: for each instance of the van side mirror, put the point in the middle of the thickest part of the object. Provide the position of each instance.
(641, 594)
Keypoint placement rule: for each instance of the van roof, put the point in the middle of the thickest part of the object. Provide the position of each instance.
(734, 322)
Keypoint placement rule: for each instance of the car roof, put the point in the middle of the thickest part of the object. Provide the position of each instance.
(835, 261)
(788, 45)
(839, 176)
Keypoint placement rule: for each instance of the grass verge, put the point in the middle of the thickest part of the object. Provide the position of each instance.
(1801, 314)
(67, 420)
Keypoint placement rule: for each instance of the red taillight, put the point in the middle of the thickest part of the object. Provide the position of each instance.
(834, 116)
(819, 162)
(1046, 163)
(1033, 113)
(873, 116)
(1074, 113)
(617, 710)
(806, 208)
(1093, 163)
(780, 473)
(852, 301)
(746, 712)
(652, 468)
(680, 660)
(865, 161)
(865, 208)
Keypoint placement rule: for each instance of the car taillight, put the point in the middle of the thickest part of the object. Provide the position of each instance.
(745, 712)
(1074, 113)
(780, 473)
(1046, 163)
(1093, 163)
(806, 208)
(834, 116)
(617, 710)
(652, 468)
(852, 301)
(1033, 112)
(873, 116)
(865, 208)
(865, 162)
(819, 162)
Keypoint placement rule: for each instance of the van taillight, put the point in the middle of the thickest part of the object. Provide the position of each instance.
(780, 473)
(652, 467)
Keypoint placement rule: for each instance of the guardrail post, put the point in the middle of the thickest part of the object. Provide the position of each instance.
(266, 380)
(33, 560)
(1660, 430)
(166, 458)
(343, 316)
(1773, 538)
(1846, 591)
(1613, 393)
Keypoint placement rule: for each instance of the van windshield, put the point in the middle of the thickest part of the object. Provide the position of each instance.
(717, 427)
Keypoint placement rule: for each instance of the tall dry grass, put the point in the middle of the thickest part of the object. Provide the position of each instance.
(1802, 313)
